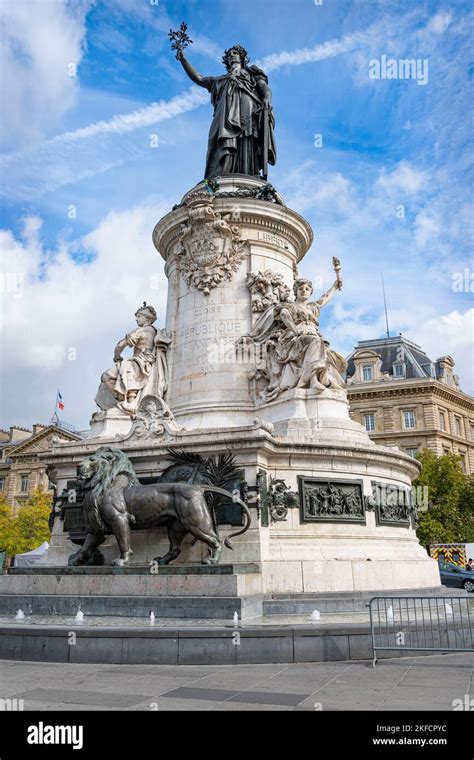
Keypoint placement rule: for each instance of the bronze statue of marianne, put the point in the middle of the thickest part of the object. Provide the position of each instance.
(241, 138)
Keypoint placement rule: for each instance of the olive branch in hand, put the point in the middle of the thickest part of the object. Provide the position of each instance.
(180, 39)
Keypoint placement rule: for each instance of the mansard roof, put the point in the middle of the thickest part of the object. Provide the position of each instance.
(396, 349)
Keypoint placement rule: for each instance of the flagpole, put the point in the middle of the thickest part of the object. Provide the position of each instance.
(55, 415)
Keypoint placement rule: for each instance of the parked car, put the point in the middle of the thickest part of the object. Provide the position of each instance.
(453, 575)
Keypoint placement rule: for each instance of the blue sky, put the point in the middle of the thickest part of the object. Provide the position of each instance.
(84, 141)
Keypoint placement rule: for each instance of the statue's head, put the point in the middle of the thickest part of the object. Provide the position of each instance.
(146, 315)
(302, 288)
(235, 54)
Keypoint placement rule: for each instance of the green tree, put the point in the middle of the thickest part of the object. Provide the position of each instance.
(466, 509)
(28, 528)
(450, 514)
(7, 527)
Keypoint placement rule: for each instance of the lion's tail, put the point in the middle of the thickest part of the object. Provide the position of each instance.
(244, 507)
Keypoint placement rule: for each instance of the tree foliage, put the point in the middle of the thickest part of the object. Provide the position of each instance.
(27, 528)
(450, 514)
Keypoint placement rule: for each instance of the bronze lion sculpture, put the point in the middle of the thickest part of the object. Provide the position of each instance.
(114, 500)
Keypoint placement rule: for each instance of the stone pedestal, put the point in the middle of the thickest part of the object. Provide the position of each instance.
(303, 438)
(209, 383)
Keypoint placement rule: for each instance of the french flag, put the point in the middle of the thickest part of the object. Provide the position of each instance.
(60, 402)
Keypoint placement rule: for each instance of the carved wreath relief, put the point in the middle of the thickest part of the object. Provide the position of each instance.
(153, 419)
(267, 288)
(280, 499)
(210, 245)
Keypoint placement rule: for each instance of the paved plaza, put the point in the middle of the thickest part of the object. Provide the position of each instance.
(418, 683)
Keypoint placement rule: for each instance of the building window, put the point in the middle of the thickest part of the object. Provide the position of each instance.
(2, 485)
(412, 452)
(463, 461)
(369, 420)
(24, 484)
(458, 426)
(472, 432)
(442, 421)
(409, 417)
(399, 370)
(367, 372)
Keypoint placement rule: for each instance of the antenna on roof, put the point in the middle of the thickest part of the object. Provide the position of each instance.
(385, 305)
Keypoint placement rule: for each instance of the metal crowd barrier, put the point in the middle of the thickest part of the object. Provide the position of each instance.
(421, 623)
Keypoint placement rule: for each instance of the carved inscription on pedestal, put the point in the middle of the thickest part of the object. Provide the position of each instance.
(210, 339)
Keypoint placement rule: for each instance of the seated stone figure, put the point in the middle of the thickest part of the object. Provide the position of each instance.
(297, 356)
(146, 372)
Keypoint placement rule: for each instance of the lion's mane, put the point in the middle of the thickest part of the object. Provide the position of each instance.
(111, 463)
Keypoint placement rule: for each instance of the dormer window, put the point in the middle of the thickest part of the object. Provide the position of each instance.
(367, 373)
(399, 369)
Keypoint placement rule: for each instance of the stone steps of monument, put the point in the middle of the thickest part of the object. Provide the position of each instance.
(191, 607)
(346, 602)
(150, 569)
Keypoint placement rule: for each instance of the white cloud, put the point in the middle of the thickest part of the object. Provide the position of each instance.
(439, 22)
(404, 177)
(40, 40)
(317, 190)
(320, 52)
(143, 117)
(21, 169)
(453, 334)
(82, 296)
(427, 228)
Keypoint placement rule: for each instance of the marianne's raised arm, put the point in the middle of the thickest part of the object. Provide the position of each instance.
(326, 297)
(194, 75)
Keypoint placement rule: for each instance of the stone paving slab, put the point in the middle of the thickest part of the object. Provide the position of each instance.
(426, 683)
(82, 697)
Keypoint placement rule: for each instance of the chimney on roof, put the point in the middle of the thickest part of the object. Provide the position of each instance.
(37, 428)
(18, 434)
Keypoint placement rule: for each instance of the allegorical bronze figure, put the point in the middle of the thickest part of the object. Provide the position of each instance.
(241, 138)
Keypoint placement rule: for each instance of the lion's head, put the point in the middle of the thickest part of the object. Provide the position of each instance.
(98, 473)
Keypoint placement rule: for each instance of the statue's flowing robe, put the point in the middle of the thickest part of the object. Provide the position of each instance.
(292, 360)
(148, 364)
(237, 129)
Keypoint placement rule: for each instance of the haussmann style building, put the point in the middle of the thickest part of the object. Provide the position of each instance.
(21, 469)
(403, 398)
